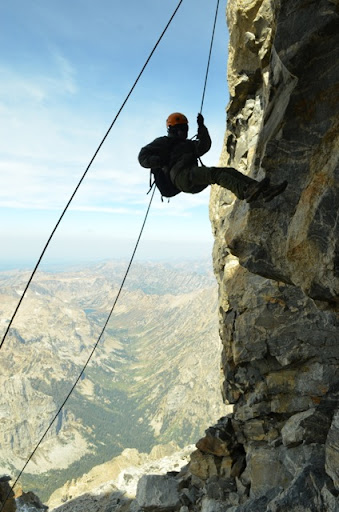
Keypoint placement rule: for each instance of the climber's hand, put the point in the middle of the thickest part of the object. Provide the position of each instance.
(200, 120)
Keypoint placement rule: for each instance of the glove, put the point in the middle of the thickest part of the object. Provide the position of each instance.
(200, 120)
(154, 161)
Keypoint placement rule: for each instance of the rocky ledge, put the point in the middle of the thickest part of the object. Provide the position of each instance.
(23, 502)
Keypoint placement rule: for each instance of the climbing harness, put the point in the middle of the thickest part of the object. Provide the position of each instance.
(131, 259)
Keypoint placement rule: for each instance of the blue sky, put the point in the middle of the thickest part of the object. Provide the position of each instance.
(65, 68)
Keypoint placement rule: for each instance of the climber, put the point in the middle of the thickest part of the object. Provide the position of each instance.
(176, 158)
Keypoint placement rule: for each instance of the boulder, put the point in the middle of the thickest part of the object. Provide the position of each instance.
(158, 492)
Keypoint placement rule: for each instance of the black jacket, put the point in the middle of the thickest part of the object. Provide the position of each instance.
(167, 152)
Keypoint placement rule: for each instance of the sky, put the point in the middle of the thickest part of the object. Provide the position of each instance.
(65, 70)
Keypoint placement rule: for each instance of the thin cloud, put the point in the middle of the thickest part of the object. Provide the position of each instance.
(66, 80)
(23, 87)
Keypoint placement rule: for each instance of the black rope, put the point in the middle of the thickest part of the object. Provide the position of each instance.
(89, 357)
(209, 57)
(83, 176)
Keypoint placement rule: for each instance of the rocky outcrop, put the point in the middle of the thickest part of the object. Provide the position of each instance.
(277, 268)
(112, 486)
(282, 121)
(29, 502)
(19, 501)
(7, 500)
(121, 473)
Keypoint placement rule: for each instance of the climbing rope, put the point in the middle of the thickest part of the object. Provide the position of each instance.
(207, 72)
(89, 357)
(87, 169)
(209, 56)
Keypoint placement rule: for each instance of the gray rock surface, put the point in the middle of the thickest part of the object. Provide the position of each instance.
(29, 502)
(159, 492)
(120, 475)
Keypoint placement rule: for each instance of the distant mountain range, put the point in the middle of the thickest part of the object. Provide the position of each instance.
(152, 379)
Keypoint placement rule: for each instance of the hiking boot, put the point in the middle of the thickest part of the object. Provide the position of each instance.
(254, 190)
(273, 191)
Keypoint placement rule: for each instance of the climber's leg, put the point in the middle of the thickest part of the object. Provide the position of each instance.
(188, 179)
(241, 185)
(274, 191)
(195, 179)
(236, 182)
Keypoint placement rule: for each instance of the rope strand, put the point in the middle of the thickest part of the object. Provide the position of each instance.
(83, 176)
(209, 56)
(89, 357)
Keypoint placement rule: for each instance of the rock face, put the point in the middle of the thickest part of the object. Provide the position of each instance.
(277, 265)
(29, 502)
(282, 121)
(121, 474)
(7, 500)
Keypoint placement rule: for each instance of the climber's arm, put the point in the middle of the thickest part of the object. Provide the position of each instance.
(203, 142)
(154, 154)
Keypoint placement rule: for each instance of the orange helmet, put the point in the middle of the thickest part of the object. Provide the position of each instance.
(176, 118)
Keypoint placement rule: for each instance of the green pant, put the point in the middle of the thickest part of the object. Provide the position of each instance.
(195, 179)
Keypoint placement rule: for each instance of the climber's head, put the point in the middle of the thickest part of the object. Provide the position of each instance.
(177, 125)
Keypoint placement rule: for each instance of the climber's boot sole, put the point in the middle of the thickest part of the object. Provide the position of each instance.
(274, 191)
(257, 190)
